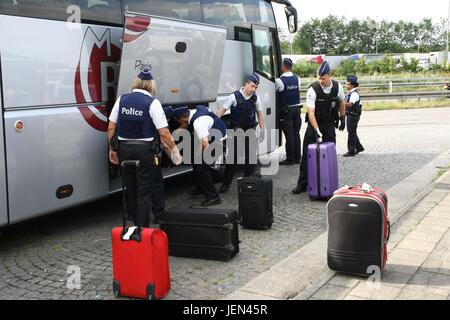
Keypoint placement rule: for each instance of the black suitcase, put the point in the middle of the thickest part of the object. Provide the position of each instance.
(255, 202)
(202, 233)
(358, 230)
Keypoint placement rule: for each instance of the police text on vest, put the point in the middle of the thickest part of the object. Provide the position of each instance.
(132, 112)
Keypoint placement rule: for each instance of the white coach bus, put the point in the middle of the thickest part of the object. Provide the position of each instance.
(59, 77)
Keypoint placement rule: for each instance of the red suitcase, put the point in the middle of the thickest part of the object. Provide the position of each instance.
(358, 229)
(140, 264)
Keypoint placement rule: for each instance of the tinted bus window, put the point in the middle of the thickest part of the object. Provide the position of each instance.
(263, 52)
(89, 11)
(229, 13)
(266, 13)
(241, 13)
(179, 9)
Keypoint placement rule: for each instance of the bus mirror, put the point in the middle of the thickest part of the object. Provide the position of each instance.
(291, 16)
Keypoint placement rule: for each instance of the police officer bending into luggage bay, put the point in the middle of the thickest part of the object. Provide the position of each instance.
(290, 121)
(353, 112)
(326, 107)
(211, 133)
(245, 106)
(141, 126)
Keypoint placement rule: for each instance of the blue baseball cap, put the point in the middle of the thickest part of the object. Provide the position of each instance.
(179, 110)
(287, 62)
(323, 69)
(352, 79)
(254, 78)
(145, 75)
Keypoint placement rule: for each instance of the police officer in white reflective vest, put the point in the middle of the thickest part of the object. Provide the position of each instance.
(288, 85)
(353, 111)
(325, 101)
(211, 132)
(245, 107)
(141, 126)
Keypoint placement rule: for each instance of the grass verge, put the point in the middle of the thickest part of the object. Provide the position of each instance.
(396, 104)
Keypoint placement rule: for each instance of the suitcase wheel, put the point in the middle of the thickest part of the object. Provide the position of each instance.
(151, 292)
(116, 288)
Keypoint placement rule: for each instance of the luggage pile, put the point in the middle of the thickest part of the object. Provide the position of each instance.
(358, 229)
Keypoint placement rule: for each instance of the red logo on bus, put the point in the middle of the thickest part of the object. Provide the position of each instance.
(135, 27)
(95, 77)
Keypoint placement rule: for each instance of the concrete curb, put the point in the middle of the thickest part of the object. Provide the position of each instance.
(305, 271)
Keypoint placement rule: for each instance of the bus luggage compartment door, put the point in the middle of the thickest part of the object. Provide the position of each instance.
(3, 203)
(56, 162)
(185, 58)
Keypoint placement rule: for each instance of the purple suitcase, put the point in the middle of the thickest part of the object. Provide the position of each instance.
(323, 178)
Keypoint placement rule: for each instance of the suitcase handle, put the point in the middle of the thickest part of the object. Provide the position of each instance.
(136, 236)
(389, 231)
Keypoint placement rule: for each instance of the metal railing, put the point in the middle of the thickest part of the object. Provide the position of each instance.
(390, 84)
(401, 95)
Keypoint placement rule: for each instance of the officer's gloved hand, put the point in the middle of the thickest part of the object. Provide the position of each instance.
(319, 136)
(262, 135)
(336, 123)
(342, 126)
(175, 156)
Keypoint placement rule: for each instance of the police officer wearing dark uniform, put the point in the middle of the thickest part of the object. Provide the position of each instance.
(211, 132)
(290, 121)
(326, 107)
(245, 107)
(353, 112)
(141, 127)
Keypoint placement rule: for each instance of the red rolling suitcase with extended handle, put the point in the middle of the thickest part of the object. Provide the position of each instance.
(140, 257)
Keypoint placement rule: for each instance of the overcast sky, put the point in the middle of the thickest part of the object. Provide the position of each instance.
(392, 10)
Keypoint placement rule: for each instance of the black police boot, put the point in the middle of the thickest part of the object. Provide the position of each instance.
(349, 154)
(359, 150)
(211, 202)
(299, 189)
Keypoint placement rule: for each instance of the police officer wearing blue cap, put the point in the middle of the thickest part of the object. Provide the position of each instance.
(325, 101)
(211, 132)
(290, 121)
(141, 127)
(353, 111)
(245, 107)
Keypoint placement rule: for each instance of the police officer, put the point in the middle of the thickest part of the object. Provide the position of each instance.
(289, 87)
(245, 106)
(211, 132)
(141, 126)
(326, 107)
(353, 112)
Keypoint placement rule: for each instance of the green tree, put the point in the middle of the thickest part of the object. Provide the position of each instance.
(305, 69)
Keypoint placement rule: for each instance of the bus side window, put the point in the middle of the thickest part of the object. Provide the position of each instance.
(185, 10)
(108, 11)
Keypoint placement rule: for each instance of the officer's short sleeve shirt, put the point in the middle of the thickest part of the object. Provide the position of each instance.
(114, 116)
(311, 96)
(231, 102)
(354, 98)
(156, 112)
(202, 125)
(279, 85)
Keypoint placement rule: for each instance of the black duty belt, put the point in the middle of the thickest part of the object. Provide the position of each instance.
(138, 142)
